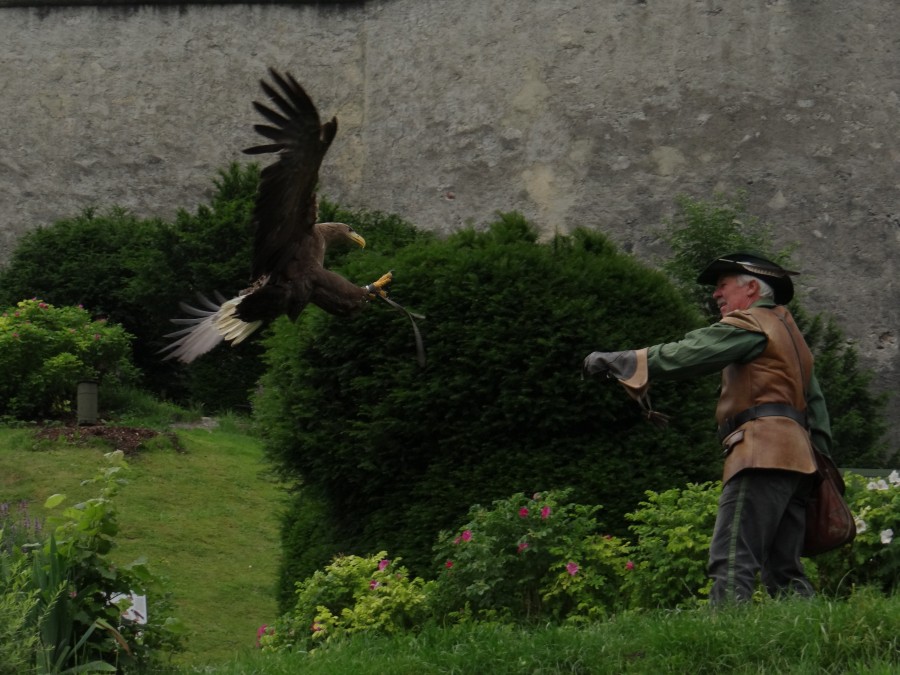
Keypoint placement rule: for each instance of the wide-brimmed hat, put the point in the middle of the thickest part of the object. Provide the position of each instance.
(747, 263)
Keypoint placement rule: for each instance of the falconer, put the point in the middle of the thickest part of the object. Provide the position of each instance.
(770, 413)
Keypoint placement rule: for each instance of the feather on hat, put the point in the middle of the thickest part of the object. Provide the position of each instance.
(772, 273)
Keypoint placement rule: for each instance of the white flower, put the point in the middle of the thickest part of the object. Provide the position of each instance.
(886, 536)
(860, 525)
(878, 485)
(895, 477)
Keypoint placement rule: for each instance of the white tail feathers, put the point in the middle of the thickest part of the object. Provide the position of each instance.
(209, 326)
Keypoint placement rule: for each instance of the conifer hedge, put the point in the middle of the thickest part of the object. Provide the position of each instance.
(391, 452)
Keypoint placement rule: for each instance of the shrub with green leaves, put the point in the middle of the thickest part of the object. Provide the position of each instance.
(528, 558)
(397, 452)
(874, 556)
(672, 531)
(352, 595)
(45, 351)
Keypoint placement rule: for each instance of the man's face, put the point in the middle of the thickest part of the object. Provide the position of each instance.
(729, 296)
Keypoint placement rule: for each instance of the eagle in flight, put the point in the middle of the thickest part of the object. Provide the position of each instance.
(289, 244)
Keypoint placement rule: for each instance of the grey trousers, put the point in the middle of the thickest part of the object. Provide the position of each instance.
(759, 528)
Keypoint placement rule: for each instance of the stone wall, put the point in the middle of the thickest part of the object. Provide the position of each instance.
(573, 113)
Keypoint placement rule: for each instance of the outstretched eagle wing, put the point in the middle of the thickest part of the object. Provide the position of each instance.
(285, 209)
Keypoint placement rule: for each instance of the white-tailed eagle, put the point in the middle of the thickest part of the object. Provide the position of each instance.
(289, 244)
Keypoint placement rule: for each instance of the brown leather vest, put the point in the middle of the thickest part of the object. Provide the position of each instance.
(780, 374)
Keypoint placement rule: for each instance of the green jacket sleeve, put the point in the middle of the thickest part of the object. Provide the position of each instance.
(708, 350)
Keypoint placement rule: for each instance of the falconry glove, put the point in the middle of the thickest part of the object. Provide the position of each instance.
(630, 369)
(620, 365)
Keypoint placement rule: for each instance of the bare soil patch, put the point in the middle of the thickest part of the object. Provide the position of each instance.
(129, 440)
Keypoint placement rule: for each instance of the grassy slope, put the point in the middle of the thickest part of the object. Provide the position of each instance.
(206, 519)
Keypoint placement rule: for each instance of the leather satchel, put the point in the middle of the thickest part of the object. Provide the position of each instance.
(829, 522)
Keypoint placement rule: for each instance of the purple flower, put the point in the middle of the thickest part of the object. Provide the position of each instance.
(467, 535)
(383, 563)
(572, 568)
(545, 513)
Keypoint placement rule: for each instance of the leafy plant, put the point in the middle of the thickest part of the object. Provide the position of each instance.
(79, 617)
(352, 595)
(45, 351)
(672, 531)
(18, 602)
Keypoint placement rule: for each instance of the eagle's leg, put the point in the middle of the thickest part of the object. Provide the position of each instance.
(336, 295)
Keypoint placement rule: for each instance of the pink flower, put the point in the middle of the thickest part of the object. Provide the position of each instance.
(448, 564)
(545, 513)
(522, 546)
(629, 566)
(456, 541)
(373, 585)
(383, 563)
(523, 512)
(536, 496)
(259, 633)
(572, 568)
(315, 628)
(467, 535)
(96, 336)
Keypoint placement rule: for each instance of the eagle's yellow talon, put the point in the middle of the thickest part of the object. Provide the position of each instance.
(381, 286)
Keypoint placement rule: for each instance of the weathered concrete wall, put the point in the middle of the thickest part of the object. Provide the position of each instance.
(574, 113)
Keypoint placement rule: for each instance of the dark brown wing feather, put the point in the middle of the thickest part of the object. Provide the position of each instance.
(285, 206)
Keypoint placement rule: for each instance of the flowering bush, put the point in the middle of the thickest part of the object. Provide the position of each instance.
(542, 558)
(528, 558)
(352, 595)
(874, 556)
(45, 351)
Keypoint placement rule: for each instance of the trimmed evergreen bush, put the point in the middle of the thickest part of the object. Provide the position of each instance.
(397, 452)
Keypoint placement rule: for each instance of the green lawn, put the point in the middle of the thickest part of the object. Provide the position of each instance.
(206, 519)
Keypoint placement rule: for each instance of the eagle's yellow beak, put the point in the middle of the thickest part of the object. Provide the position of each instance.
(356, 239)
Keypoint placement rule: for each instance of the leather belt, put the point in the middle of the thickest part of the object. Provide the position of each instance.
(762, 410)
